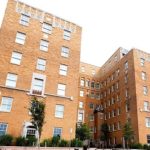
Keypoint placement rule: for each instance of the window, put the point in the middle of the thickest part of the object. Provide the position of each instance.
(142, 61)
(63, 70)
(147, 120)
(126, 78)
(118, 111)
(127, 107)
(117, 85)
(97, 96)
(65, 51)
(117, 97)
(44, 45)
(38, 84)
(97, 85)
(92, 95)
(91, 105)
(91, 117)
(61, 89)
(127, 93)
(80, 116)
(143, 75)
(16, 58)
(81, 93)
(80, 104)
(146, 106)
(24, 20)
(145, 90)
(82, 82)
(119, 125)
(59, 111)
(31, 131)
(126, 65)
(82, 69)
(92, 129)
(41, 63)
(11, 80)
(6, 104)
(112, 100)
(47, 28)
(57, 132)
(148, 139)
(67, 35)
(87, 83)
(3, 128)
(92, 84)
(20, 38)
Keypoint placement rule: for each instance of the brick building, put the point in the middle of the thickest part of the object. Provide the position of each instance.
(40, 56)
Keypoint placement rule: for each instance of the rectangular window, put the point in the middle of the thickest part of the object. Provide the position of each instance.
(119, 125)
(81, 93)
(20, 38)
(91, 117)
(145, 90)
(59, 111)
(80, 104)
(127, 107)
(3, 128)
(97, 96)
(82, 82)
(97, 85)
(126, 78)
(91, 105)
(148, 139)
(16, 58)
(87, 83)
(24, 20)
(57, 132)
(127, 93)
(6, 104)
(38, 84)
(41, 63)
(147, 121)
(82, 69)
(65, 52)
(67, 35)
(126, 65)
(143, 75)
(47, 28)
(61, 89)
(92, 84)
(92, 95)
(44, 45)
(118, 111)
(142, 61)
(80, 116)
(146, 106)
(63, 70)
(11, 80)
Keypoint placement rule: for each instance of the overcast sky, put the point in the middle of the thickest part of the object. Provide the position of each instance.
(107, 24)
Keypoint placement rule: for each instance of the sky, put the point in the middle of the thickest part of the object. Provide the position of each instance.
(106, 24)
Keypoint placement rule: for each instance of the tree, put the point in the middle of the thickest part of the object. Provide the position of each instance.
(37, 109)
(83, 132)
(128, 133)
(104, 133)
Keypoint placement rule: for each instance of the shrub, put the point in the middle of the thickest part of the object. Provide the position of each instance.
(55, 140)
(147, 147)
(31, 141)
(118, 146)
(63, 143)
(21, 141)
(6, 140)
(136, 146)
(46, 143)
(76, 143)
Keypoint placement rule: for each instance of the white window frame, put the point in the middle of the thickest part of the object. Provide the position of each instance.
(5, 131)
(6, 104)
(24, 20)
(61, 89)
(81, 104)
(65, 51)
(20, 38)
(142, 61)
(80, 115)
(40, 77)
(16, 58)
(41, 64)
(81, 93)
(63, 69)
(147, 122)
(82, 82)
(44, 45)
(145, 90)
(60, 128)
(11, 80)
(47, 28)
(67, 35)
(146, 106)
(59, 111)
(143, 75)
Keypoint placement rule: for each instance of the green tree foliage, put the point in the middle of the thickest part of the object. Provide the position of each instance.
(37, 110)
(83, 132)
(104, 132)
(128, 133)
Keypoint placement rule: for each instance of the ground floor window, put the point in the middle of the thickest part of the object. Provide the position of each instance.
(148, 139)
(31, 131)
(3, 128)
(57, 132)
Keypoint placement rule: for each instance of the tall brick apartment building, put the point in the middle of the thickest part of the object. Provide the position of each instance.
(40, 56)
